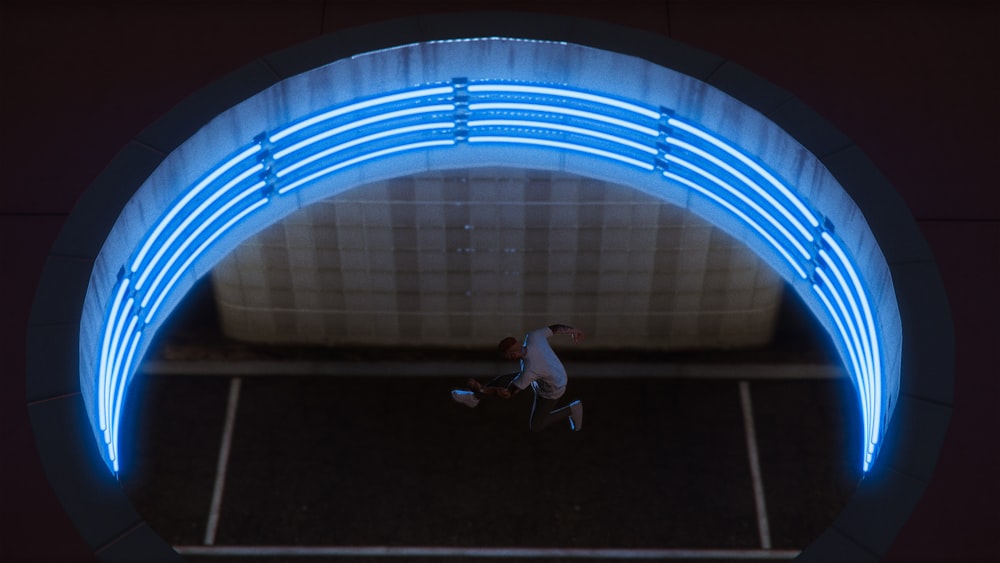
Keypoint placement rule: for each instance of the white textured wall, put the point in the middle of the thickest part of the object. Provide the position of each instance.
(462, 258)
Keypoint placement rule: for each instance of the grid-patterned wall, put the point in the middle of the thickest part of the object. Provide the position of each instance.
(462, 258)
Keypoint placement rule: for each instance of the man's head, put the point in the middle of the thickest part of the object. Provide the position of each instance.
(509, 348)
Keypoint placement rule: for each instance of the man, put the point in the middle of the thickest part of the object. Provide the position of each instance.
(540, 369)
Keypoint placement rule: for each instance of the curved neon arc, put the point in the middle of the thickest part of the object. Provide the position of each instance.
(180, 271)
(361, 123)
(358, 106)
(105, 348)
(131, 335)
(118, 406)
(743, 198)
(359, 159)
(870, 370)
(542, 108)
(176, 209)
(561, 145)
(114, 353)
(847, 335)
(565, 93)
(301, 163)
(441, 116)
(748, 182)
(869, 319)
(743, 216)
(780, 186)
(865, 347)
(180, 231)
(854, 361)
(564, 128)
(854, 345)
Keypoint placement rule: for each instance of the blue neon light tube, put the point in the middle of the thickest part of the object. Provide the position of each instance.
(680, 154)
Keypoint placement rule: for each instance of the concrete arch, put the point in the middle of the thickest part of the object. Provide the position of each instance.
(276, 91)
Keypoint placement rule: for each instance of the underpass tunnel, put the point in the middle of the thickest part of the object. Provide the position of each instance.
(440, 125)
(576, 132)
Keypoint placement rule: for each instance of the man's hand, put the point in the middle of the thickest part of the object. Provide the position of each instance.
(502, 392)
(575, 333)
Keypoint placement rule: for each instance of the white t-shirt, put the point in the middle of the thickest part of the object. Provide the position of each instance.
(541, 367)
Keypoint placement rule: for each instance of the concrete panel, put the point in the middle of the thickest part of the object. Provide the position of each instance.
(747, 87)
(879, 507)
(61, 291)
(139, 544)
(98, 208)
(497, 24)
(345, 43)
(832, 545)
(887, 215)
(928, 354)
(53, 360)
(169, 132)
(673, 55)
(810, 129)
(916, 433)
(89, 328)
(90, 494)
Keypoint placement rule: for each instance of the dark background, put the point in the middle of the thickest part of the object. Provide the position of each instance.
(915, 85)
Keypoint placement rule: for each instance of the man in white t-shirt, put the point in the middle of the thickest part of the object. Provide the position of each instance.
(541, 370)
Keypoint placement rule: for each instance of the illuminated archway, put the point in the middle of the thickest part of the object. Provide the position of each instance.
(482, 102)
(695, 168)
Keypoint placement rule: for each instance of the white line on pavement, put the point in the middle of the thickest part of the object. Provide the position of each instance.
(481, 552)
(758, 484)
(223, 463)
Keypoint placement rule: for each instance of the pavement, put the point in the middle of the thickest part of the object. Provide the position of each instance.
(237, 452)
(391, 462)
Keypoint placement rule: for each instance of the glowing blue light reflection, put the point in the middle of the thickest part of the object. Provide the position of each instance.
(191, 217)
(522, 107)
(854, 347)
(869, 318)
(748, 182)
(282, 172)
(361, 123)
(176, 209)
(746, 219)
(359, 159)
(740, 156)
(742, 197)
(563, 128)
(358, 106)
(560, 145)
(105, 351)
(565, 93)
(183, 269)
(868, 366)
(682, 155)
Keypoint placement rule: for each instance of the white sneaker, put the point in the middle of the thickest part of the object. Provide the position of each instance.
(576, 415)
(467, 398)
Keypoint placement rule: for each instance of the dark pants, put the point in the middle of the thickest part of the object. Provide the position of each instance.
(543, 411)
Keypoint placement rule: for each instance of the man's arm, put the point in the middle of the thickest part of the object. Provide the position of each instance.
(507, 392)
(504, 391)
(576, 333)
